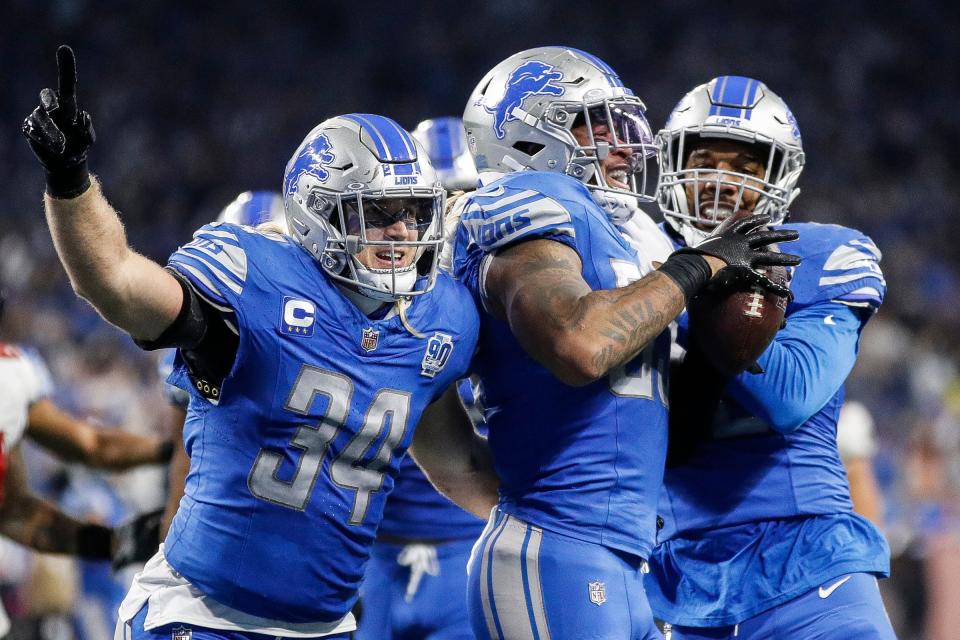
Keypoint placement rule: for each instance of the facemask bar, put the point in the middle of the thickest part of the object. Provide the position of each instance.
(775, 189)
(627, 130)
(350, 219)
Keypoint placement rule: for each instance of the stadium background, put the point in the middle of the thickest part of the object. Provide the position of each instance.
(195, 103)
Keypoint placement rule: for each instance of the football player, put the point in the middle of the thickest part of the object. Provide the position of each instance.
(573, 344)
(309, 359)
(250, 208)
(857, 445)
(415, 583)
(27, 410)
(758, 536)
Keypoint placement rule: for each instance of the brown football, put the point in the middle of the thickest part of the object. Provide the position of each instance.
(733, 323)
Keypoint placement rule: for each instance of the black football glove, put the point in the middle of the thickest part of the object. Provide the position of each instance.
(60, 134)
(137, 540)
(743, 244)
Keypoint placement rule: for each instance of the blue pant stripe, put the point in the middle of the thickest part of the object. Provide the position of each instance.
(486, 577)
(525, 576)
(532, 560)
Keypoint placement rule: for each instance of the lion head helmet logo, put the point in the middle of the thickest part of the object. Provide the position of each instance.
(312, 160)
(531, 78)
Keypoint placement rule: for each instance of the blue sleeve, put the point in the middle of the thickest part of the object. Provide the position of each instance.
(509, 211)
(804, 366)
(215, 264)
(515, 209)
(839, 265)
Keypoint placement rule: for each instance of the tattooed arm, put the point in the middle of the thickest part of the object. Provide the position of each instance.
(577, 333)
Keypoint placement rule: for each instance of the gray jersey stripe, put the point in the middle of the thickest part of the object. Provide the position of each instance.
(485, 595)
(508, 593)
(533, 577)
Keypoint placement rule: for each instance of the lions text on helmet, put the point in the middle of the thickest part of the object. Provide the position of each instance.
(562, 109)
(362, 198)
(730, 145)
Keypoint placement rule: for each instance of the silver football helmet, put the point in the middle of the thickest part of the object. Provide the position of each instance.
(522, 114)
(363, 199)
(446, 144)
(731, 108)
(253, 208)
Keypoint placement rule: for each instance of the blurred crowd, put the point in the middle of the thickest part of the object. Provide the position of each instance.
(195, 103)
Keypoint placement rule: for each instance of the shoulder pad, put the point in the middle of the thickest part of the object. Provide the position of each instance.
(519, 206)
(839, 265)
(215, 262)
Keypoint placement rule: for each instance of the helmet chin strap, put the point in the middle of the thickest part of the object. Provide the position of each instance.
(382, 283)
(693, 235)
(619, 207)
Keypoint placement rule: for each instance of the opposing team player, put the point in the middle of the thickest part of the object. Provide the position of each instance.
(573, 344)
(26, 409)
(415, 583)
(759, 539)
(309, 360)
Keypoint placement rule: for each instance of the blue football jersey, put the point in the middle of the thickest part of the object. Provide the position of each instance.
(584, 461)
(293, 456)
(768, 484)
(171, 393)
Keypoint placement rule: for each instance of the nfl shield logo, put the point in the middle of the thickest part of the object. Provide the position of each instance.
(598, 593)
(182, 633)
(370, 339)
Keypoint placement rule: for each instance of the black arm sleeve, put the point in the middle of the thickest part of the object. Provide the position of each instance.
(206, 342)
(696, 389)
(190, 325)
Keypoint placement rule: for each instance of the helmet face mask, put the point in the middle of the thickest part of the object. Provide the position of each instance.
(363, 199)
(729, 109)
(526, 112)
(615, 128)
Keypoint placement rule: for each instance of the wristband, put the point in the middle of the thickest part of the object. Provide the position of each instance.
(68, 182)
(689, 271)
(166, 451)
(94, 542)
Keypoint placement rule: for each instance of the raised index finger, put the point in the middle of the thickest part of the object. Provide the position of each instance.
(67, 81)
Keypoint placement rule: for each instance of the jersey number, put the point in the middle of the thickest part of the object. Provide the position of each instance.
(352, 468)
(640, 382)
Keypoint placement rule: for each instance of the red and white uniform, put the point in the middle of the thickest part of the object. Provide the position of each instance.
(24, 379)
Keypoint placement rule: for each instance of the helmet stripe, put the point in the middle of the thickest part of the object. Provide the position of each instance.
(440, 145)
(378, 141)
(729, 91)
(607, 70)
(392, 142)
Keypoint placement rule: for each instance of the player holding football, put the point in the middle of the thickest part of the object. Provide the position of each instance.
(758, 538)
(573, 344)
(415, 583)
(309, 360)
